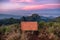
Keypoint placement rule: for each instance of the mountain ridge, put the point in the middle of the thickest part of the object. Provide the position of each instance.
(3, 16)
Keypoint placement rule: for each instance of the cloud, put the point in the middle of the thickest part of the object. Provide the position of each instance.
(29, 1)
(9, 6)
(32, 1)
(35, 1)
(4, 0)
(43, 6)
(16, 6)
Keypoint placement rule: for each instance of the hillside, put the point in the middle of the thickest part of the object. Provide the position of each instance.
(48, 29)
(57, 19)
(11, 19)
(3, 16)
(13, 32)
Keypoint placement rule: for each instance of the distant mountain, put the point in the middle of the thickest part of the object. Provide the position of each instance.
(36, 17)
(3, 16)
(11, 19)
(57, 19)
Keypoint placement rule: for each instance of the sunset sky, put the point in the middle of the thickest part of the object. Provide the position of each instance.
(27, 7)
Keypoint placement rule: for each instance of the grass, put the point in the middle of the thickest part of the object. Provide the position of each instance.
(52, 28)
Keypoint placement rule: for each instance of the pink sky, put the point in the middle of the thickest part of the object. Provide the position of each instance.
(14, 5)
(44, 6)
(22, 1)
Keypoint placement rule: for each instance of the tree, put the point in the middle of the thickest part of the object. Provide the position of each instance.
(23, 19)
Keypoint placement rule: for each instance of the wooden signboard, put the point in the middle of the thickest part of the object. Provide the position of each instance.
(29, 26)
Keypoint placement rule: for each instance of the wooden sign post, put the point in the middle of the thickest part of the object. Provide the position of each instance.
(28, 26)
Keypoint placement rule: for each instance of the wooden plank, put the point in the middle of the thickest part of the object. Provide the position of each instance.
(29, 26)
